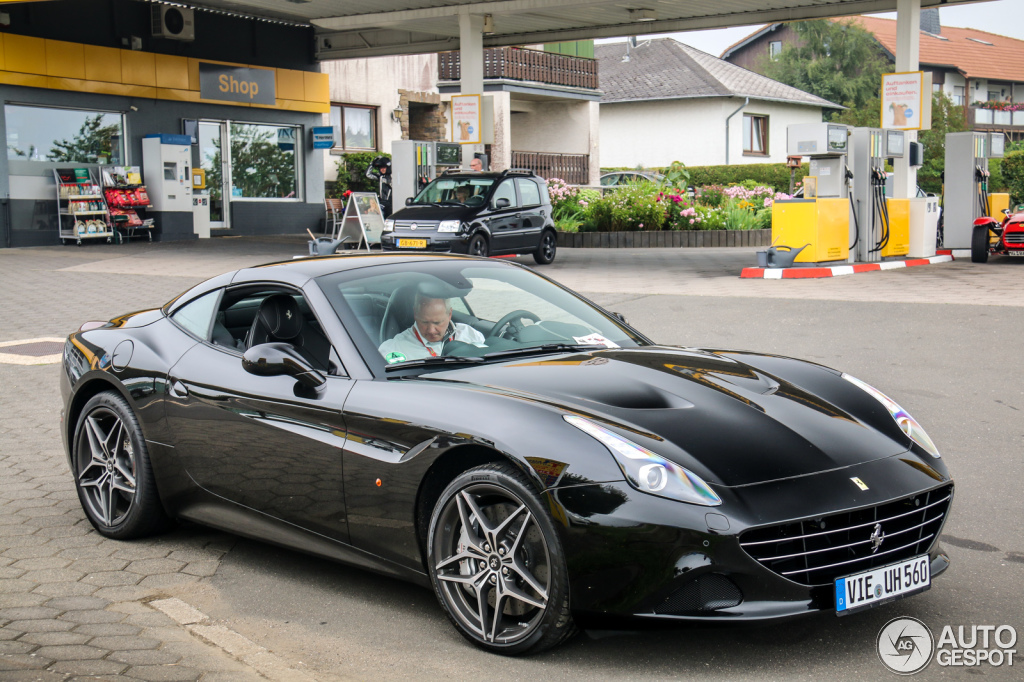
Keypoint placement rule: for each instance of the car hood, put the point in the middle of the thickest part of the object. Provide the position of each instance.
(447, 212)
(733, 418)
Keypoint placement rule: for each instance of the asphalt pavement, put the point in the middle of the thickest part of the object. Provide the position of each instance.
(943, 340)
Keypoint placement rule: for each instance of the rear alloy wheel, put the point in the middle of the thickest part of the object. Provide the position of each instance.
(478, 246)
(497, 565)
(545, 253)
(979, 245)
(112, 473)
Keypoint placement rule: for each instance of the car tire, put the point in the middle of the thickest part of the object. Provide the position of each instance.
(545, 253)
(511, 599)
(112, 472)
(979, 245)
(478, 246)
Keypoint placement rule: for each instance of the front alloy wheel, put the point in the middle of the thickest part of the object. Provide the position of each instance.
(478, 246)
(545, 253)
(497, 565)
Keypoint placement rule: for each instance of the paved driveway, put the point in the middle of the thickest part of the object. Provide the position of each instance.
(942, 339)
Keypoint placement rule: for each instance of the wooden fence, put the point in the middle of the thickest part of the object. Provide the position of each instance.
(573, 168)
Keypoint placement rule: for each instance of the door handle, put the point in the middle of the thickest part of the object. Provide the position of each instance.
(177, 389)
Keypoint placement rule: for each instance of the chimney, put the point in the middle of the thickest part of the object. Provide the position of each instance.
(930, 21)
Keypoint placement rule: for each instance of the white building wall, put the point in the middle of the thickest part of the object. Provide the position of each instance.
(554, 127)
(656, 133)
(376, 82)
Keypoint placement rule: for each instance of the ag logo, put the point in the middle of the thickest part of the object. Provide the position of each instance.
(394, 357)
(905, 645)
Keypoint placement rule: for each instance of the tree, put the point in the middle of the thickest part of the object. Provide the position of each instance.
(94, 143)
(837, 61)
(946, 118)
(259, 167)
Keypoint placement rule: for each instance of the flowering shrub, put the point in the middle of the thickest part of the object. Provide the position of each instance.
(1001, 106)
(634, 206)
(711, 195)
(711, 217)
(679, 212)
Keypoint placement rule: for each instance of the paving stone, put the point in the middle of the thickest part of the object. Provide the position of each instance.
(90, 668)
(53, 575)
(169, 673)
(166, 580)
(24, 662)
(40, 625)
(15, 585)
(98, 565)
(153, 619)
(77, 603)
(16, 647)
(135, 552)
(129, 607)
(92, 616)
(111, 578)
(153, 566)
(71, 652)
(54, 638)
(86, 552)
(108, 629)
(41, 563)
(21, 599)
(125, 593)
(8, 572)
(7, 633)
(201, 568)
(28, 613)
(66, 589)
(125, 643)
(146, 657)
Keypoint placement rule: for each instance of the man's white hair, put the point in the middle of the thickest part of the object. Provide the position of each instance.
(421, 300)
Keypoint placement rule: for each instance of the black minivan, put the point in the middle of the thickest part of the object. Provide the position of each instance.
(480, 213)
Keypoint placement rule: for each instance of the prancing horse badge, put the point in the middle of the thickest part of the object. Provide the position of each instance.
(859, 483)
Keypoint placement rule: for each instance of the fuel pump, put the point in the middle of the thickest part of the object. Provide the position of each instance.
(821, 218)
(884, 223)
(415, 163)
(965, 187)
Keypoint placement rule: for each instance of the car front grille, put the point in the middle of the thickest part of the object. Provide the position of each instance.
(817, 551)
(1014, 238)
(421, 225)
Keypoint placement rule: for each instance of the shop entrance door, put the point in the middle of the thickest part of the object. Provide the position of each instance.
(215, 159)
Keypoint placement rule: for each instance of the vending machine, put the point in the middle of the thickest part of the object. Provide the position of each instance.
(415, 163)
(167, 167)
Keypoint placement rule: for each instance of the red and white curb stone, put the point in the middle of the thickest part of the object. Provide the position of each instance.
(840, 270)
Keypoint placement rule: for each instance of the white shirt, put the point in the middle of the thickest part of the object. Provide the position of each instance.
(406, 345)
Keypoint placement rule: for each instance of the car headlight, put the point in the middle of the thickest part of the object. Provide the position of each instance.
(389, 225)
(906, 423)
(449, 226)
(647, 471)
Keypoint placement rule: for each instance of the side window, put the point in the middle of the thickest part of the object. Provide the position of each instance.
(196, 317)
(529, 192)
(610, 180)
(506, 190)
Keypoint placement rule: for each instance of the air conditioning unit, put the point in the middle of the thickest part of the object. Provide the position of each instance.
(174, 23)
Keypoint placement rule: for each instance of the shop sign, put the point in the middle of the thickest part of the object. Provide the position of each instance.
(323, 137)
(907, 101)
(236, 84)
(465, 117)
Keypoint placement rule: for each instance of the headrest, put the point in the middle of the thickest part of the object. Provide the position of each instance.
(280, 316)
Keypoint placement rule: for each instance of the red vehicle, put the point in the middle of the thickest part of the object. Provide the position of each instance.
(991, 237)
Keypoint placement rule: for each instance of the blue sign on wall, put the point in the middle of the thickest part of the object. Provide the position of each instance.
(323, 137)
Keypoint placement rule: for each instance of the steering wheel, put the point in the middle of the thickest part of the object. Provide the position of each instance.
(512, 322)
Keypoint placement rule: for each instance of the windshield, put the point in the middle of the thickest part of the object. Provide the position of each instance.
(467, 191)
(447, 312)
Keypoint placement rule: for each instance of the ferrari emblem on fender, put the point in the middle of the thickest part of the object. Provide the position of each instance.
(877, 537)
(859, 483)
(288, 314)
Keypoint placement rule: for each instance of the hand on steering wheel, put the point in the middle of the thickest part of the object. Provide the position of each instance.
(510, 325)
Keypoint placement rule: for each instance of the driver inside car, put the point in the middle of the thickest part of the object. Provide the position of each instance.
(432, 328)
(463, 193)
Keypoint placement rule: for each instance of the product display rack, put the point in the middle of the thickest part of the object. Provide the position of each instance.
(125, 196)
(81, 209)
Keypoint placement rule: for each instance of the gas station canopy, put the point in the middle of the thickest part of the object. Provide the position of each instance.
(356, 28)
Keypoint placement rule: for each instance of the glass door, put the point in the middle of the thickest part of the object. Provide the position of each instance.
(213, 141)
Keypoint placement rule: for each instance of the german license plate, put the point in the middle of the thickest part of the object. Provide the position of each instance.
(1010, 252)
(879, 585)
(412, 243)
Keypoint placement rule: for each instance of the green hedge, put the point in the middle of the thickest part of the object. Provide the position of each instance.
(1012, 167)
(774, 175)
(352, 174)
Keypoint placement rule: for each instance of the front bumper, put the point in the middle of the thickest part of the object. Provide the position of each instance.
(639, 557)
(442, 242)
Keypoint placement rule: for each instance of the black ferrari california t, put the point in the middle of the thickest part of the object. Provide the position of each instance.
(475, 427)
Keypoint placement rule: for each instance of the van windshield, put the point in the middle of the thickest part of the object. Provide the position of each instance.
(465, 191)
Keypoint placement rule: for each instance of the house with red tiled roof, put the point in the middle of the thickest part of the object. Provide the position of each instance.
(977, 68)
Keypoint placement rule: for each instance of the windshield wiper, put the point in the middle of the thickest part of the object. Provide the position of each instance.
(546, 348)
(439, 360)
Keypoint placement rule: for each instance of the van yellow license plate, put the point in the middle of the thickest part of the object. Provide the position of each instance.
(412, 243)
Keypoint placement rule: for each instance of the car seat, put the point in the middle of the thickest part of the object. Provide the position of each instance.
(279, 319)
(398, 315)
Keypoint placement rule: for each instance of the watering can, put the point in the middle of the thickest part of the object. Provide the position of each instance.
(783, 256)
(325, 246)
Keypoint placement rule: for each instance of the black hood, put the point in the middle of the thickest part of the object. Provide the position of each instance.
(734, 419)
(433, 212)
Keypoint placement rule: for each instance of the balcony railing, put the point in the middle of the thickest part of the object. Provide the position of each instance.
(994, 117)
(573, 168)
(518, 64)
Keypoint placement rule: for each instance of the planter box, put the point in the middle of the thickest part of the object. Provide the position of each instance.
(664, 239)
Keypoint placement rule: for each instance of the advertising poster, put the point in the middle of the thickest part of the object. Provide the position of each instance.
(465, 117)
(906, 101)
(362, 222)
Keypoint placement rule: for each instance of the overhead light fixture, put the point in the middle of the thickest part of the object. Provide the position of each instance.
(396, 114)
(643, 15)
(488, 24)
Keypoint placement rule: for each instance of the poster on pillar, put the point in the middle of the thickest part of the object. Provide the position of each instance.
(465, 118)
(907, 100)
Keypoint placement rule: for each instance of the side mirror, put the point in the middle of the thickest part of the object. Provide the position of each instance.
(502, 203)
(408, 201)
(280, 359)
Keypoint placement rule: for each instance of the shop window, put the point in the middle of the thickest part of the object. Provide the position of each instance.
(355, 128)
(774, 49)
(64, 135)
(264, 161)
(755, 134)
